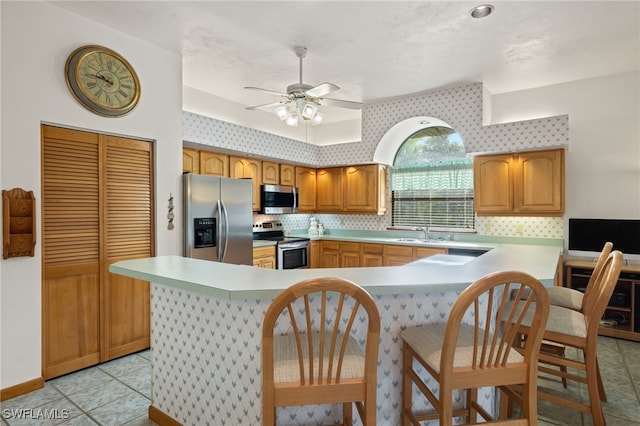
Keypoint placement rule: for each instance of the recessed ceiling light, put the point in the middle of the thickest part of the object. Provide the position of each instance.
(481, 11)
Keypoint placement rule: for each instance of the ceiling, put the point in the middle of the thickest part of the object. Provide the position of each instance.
(382, 49)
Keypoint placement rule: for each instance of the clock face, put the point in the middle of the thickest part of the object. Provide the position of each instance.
(102, 81)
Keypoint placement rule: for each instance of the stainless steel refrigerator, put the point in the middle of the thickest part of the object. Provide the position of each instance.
(218, 219)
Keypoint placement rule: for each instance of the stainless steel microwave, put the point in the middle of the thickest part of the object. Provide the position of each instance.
(278, 199)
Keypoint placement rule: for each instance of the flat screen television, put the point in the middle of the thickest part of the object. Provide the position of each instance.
(587, 236)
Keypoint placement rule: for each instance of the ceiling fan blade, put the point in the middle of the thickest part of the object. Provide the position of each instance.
(266, 105)
(340, 103)
(321, 90)
(273, 92)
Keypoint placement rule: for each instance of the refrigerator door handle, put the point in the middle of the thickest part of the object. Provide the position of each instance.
(220, 231)
(223, 252)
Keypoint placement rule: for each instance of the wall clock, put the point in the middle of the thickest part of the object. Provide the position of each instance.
(102, 81)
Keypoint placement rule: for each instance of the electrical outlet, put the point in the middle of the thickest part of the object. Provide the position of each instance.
(487, 228)
(519, 228)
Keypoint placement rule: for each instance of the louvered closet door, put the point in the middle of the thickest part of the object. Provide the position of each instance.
(70, 250)
(128, 228)
(97, 209)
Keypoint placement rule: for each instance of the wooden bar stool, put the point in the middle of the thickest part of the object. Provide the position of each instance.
(568, 327)
(459, 355)
(319, 361)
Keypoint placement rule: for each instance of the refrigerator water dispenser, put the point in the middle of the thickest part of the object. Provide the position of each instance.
(204, 232)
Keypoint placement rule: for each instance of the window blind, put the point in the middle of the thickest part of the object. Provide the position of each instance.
(439, 195)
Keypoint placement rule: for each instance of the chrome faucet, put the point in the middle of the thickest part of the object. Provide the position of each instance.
(424, 229)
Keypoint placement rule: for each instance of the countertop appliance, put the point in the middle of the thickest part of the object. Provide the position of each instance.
(291, 252)
(217, 219)
(278, 199)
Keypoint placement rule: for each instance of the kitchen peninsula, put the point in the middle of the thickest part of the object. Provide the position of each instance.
(207, 319)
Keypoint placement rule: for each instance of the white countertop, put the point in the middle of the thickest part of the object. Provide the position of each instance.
(239, 282)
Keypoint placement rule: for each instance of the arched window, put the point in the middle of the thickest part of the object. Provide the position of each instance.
(432, 181)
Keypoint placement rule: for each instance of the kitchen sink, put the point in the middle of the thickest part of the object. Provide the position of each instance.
(418, 240)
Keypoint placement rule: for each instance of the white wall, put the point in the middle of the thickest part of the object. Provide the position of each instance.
(36, 40)
(603, 158)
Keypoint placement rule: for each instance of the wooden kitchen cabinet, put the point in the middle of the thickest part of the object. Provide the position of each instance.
(264, 257)
(329, 190)
(394, 255)
(526, 183)
(397, 255)
(371, 254)
(539, 182)
(314, 255)
(287, 174)
(247, 168)
(352, 189)
(190, 160)
(329, 254)
(365, 189)
(214, 164)
(493, 183)
(349, 255)
(270, 173)
(422, 252)
(306, 183)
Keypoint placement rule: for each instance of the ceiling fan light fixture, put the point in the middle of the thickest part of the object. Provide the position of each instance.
(317, 119)
(282, 112)
(291, 120)
(303, 101)
(309, 110)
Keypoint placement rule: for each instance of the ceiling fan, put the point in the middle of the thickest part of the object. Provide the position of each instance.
(303, 100)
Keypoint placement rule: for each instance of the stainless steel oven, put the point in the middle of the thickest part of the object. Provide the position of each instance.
(291, 252)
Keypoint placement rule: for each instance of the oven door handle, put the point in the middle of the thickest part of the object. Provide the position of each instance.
(293, 245)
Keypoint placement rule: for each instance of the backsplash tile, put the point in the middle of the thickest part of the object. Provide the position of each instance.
(498, 226)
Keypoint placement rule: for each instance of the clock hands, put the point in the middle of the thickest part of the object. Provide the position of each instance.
(103, 78)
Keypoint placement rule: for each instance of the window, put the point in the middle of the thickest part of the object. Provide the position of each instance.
(432, 181)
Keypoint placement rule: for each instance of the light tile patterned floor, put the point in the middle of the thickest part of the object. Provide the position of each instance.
(118, 393)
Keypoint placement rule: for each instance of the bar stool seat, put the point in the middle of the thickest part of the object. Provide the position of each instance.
(474, 349)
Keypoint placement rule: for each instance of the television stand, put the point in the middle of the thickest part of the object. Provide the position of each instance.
(622, 316)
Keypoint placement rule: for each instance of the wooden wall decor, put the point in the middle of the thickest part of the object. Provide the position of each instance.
(18, 223)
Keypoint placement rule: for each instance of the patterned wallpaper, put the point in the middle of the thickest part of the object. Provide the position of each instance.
(465, 108)
(221, 134)
(199, 347)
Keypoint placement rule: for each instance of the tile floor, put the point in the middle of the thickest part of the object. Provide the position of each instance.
(119, 392)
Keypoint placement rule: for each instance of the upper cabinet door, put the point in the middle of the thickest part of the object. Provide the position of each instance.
(242, 168)
(365, 188)
(539, 182)
(527, 183)
(493, 183)
(190, 160)
(329, 189)
(287, 175)
(214, 164)
(306, 184)
(270, 173)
